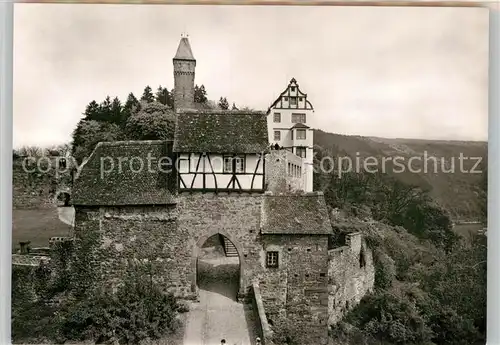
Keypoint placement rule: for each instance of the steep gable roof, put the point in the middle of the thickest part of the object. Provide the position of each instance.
(104, 181)
(221, 131)
(295, 214)
(184, 51)
(286, 92)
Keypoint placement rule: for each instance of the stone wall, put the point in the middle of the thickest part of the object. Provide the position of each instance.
(351, 275)
(264, 330)
(236, 216)
(296, 292)
(35, 182)
(170, 238)
(141, 236)
(279, 177)
(311, 288)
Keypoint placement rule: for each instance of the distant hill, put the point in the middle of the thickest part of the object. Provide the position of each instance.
(456, 191)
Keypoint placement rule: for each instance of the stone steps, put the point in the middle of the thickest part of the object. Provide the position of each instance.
(229, 248)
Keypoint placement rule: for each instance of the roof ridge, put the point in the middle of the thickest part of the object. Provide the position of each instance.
(223, 112)
(131, 142)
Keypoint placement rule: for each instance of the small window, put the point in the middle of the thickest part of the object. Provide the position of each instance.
(300, 151)
(301, 134)
(321, 274)
(272, 259)
(301, 99)
(228, 164)
(239, 164)
(285, 99)
(277, 135)
(293, 100)
(292, 88)
(277, 117)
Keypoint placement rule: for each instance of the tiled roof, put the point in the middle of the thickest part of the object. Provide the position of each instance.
(300, 125)
(221, 131)
(103, 181)
(184, 50)
(295, 214)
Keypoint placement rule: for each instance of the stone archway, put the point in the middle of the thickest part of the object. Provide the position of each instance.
(196, 254)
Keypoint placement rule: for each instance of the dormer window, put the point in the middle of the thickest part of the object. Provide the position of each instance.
(292, 89)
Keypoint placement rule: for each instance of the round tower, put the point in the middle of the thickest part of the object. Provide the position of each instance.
(184, 67)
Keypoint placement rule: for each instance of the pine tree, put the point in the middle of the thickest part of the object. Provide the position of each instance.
(234, 107)
(147, 95)
(163, 96)
(105, 110)
(223, 103)
(171, 100)
(116, 111)
(91, 111)
(131, 105)
(200, 94)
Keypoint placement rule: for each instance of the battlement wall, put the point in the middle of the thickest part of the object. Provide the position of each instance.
(351, 275)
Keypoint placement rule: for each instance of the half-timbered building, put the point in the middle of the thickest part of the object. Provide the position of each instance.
(221, 151)
(288, 117)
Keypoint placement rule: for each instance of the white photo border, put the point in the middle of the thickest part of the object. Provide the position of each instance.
(6, 131)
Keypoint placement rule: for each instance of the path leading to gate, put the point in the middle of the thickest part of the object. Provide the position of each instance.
(218, 315)
(67, 215)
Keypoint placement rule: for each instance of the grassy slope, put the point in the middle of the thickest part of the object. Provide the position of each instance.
(37, 226)
(455, 191)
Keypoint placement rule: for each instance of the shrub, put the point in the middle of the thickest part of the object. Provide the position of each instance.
(385, 270)
(138, 310)
(392, 318)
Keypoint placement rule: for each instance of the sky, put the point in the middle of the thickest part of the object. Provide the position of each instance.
(395, 72)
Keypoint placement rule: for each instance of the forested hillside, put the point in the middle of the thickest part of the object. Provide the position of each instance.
(454, 188)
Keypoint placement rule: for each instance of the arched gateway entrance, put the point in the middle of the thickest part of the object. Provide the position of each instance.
(217, 266)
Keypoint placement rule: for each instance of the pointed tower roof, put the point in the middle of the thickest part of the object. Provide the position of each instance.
(184, 50)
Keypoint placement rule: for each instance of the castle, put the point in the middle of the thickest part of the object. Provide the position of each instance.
(243, 175)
